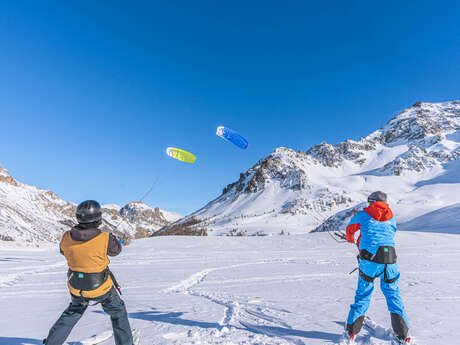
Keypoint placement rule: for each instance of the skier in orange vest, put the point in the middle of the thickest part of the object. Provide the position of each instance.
(86, 249)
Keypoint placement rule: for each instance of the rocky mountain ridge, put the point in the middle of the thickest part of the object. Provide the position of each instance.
(33, 216)
(413, 157)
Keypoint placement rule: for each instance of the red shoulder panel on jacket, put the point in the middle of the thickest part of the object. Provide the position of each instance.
(380, 211)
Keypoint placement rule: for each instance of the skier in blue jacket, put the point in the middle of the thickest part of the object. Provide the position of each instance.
(377, 259)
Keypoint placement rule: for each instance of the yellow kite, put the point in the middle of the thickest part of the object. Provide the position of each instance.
(181, 155)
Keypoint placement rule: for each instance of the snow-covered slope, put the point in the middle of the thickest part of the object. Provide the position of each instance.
(280, 290)
(414, 158)
(30, 215)
(446, 220)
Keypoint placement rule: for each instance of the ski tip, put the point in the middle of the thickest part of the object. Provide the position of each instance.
(136, 336)
(347, 339)
(97, 338)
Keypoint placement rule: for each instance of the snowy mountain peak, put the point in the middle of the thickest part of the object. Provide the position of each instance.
(413, 157)
(7, 178)
(281, 165)
(334, 155)
(137, 211)
(30, 215)
(420, 121)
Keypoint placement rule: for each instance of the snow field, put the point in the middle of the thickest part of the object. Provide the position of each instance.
(230, 290)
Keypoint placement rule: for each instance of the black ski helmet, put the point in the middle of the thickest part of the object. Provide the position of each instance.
(377, 196)
(89, 211)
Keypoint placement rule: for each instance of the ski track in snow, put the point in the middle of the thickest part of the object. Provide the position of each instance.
(219, 291)
(232, 308)
(12, 279)
(185, 285)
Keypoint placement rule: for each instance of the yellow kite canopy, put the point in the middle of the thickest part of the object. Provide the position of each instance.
(181, 155)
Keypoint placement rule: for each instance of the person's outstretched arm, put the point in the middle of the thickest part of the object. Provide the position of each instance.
(353, 227)
(114, 247)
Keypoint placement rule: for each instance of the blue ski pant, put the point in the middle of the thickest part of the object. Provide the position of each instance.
(389, 289)
(112, 305)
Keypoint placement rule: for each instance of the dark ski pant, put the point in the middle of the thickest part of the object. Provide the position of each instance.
(112, 305)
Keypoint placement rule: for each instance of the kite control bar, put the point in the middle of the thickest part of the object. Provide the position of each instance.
(343, 239)
(340, 235)
(337, 236)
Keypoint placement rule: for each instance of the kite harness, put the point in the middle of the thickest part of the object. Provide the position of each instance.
(385, 255)
(87, 281)
(91, 281)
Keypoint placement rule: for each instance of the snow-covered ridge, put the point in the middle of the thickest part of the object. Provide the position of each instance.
(414, 158)
(31, 216)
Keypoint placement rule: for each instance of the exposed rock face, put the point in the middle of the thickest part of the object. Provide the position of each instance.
(306, 188)
(144, 219)
(333, 155)
(6, 178)
(190, 227)
(32, 216)
(268, 168)
(420, 121)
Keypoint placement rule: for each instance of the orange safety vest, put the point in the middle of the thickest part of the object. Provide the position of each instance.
(87, 257)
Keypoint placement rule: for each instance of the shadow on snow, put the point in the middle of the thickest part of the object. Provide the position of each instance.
(175, 318)
(19, 341)
(18, 259)
(275, 331)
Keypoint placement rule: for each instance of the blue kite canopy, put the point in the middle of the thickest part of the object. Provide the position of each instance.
(232, 136)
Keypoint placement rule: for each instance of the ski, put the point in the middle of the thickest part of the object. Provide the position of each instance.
(97, 338)
(396, 341)
(104, 336)
(136, 336)
(347, 340)
(378, 331)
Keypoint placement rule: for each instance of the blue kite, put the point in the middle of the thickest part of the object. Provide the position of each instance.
(232, 136)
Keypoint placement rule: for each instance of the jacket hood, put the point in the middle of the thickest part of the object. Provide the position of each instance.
(84, 235)
(380, 211)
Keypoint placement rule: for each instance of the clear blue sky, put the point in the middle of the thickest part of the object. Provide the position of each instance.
(91, 94)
